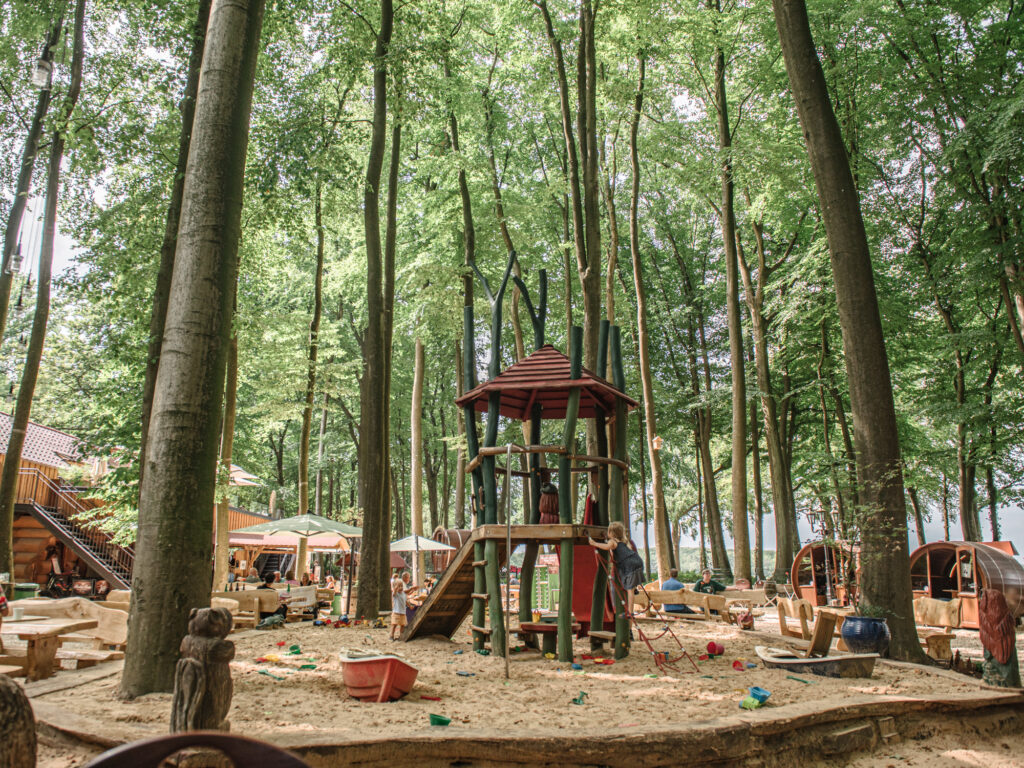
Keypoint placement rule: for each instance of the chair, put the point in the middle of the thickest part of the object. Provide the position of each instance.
(821, 638)
(798, 610)
(243, 752)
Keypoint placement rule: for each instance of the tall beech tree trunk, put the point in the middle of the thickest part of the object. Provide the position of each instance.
(915, 505)
(176, 499)
(373, 406)
(24, 183)
(416, 456)
(321, 447)
(662, 543)
(34, 354)
(162, 289)
(582, 166)
(778, 471)
(222, 525)
(305, 433)
(306, 430)
(885, 581)
(740, 528)
(460, 462)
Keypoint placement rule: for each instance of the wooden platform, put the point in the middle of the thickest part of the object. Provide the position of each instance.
(452, 599)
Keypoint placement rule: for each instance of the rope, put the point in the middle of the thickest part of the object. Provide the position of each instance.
(661, 658)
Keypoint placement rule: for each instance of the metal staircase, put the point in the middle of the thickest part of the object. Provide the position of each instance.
(57, 509)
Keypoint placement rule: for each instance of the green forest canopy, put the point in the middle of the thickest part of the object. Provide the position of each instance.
(929, 98)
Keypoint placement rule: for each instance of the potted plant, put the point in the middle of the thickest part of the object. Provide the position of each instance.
(865, 631)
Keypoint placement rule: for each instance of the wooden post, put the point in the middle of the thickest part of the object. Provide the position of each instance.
(530, 556)
(618, 511)
(508, 555)
(565, 499)
(601, 576)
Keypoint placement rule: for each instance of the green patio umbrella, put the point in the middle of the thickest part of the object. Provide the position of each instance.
(304, 526)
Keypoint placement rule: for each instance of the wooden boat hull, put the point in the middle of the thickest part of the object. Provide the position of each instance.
(849, 665)
(377, 678)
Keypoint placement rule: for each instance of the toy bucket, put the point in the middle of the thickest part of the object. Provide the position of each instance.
(760, 693)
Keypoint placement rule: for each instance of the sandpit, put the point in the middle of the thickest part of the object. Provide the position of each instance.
(630, 694)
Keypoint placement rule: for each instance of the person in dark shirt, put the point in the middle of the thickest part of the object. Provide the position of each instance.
(671, 584)
(707, 585)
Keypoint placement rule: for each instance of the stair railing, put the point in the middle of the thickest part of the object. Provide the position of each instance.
(36, 488)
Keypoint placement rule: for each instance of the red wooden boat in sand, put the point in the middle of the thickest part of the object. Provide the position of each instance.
(376, 677)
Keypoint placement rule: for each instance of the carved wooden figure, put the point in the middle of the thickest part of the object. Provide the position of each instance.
(998, 638)
(202, 679)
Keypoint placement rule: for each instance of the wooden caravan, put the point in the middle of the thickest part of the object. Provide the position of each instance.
(453, 537)
(826, 573)
(955, 572)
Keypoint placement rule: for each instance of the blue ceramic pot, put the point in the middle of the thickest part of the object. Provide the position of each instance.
(863, 634)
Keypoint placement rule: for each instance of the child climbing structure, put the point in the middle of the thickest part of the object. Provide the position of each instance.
(545, 385)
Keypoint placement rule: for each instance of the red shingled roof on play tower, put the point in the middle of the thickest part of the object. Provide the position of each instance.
(544, 377)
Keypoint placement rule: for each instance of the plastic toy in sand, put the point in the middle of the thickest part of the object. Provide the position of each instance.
(579, 699)
(758, 696)
(439, 720)
(715, 649)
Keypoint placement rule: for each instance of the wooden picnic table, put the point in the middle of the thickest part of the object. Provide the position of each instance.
(43, 639)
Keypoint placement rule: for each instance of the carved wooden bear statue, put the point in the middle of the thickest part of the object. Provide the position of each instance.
(202, 679)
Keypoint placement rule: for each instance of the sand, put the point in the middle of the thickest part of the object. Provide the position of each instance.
(629, 693)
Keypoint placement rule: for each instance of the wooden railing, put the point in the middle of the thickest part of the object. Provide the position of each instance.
(64, 508)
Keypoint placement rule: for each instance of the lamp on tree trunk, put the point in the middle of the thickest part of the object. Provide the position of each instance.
(41, 72)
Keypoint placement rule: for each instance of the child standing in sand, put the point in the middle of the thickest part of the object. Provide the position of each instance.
(398, 604)
(629, 567)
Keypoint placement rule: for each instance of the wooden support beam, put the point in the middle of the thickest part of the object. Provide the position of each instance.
(479, 563)
(498, 450)
(481, 630)
(479, 595)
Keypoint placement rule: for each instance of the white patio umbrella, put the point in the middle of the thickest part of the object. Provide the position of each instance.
(417, 544)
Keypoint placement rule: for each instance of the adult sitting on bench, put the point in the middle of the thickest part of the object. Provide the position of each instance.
(283, 598)
(672, 584)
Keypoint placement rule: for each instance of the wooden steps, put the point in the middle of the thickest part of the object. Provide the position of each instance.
(452, 598)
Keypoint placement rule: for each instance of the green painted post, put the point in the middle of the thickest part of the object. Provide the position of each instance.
(565, 565)
(617, 510)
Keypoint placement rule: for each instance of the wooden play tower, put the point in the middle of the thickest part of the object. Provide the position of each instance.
(545, 385)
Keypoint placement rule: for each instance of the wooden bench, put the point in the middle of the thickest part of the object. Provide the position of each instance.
(548, 633)
(11, 670)
(87, 658)
(705, 603)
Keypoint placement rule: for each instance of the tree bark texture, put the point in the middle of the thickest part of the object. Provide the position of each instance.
(162, 289)
(221, 547)
(314, 346)
(177, 494)
(740, 529)
(884, 555)
(373, 410)
(34, 354)
(416, 459)
(662, 542)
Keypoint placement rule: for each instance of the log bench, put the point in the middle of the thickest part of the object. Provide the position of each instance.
(548, 633)
(88, 658)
